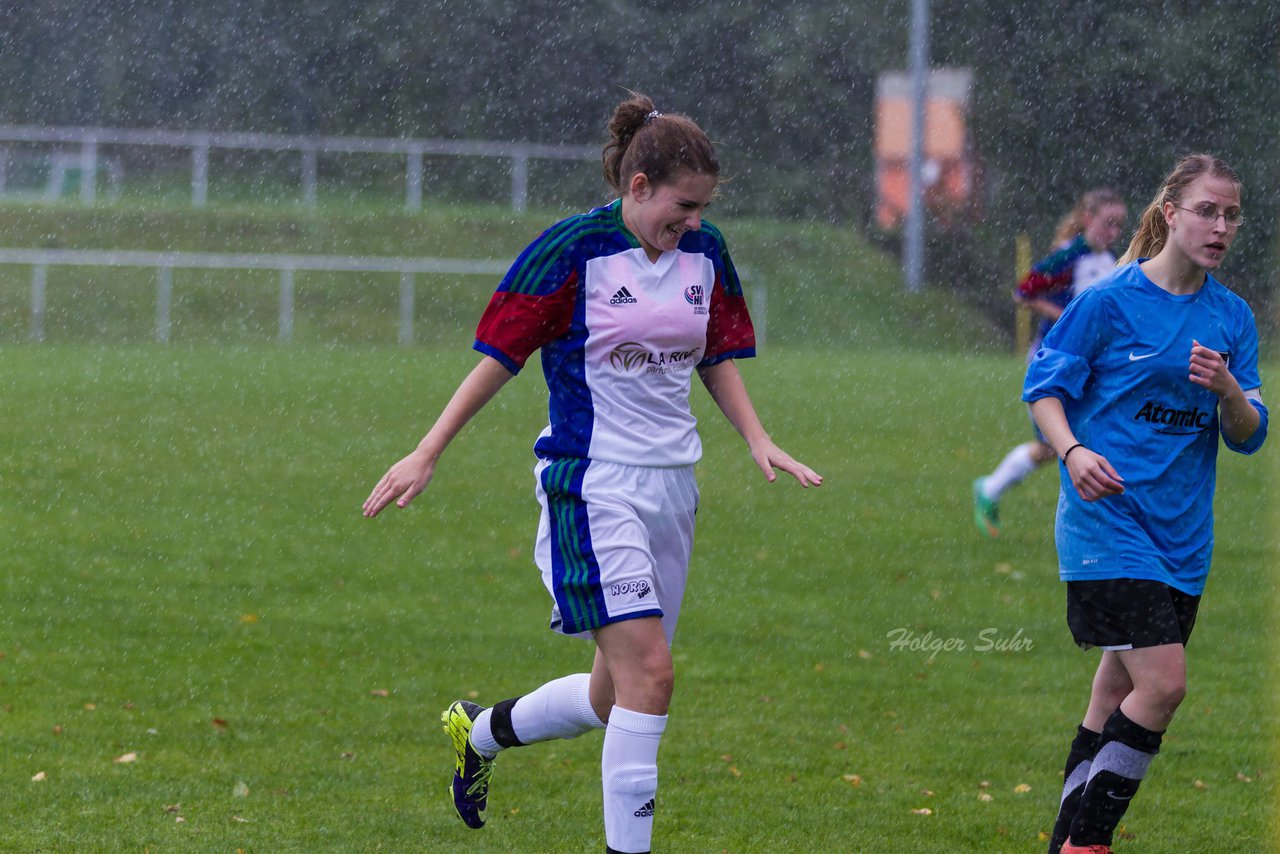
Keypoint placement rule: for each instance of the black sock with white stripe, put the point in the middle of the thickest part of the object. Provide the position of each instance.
(1079, 759)
(1125, 751)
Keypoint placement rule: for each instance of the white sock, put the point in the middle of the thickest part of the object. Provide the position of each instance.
(559, 709)
(1013, 469)
(629, 770)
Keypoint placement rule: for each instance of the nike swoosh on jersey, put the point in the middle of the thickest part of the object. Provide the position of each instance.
(1133, 358)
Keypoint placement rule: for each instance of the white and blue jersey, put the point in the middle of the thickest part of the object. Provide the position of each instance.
(1118, 359)
(620, 335)
(1062, 275)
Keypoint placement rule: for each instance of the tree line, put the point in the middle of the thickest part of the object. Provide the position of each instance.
(1068, 94)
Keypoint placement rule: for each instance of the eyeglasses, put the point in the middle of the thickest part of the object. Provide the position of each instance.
(1209, 213)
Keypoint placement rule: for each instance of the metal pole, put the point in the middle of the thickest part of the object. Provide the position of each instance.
(913, 238)
(164, 300)
(88, 170)
(286, 304)
(413, 182)
(199, 175)
(38, 277)
(519, 183)
(406, 309)
(309, 176)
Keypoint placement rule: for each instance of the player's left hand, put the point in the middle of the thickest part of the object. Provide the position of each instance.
(769, 457)
(1208, 370)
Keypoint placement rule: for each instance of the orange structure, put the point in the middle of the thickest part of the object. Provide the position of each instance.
(950, 169)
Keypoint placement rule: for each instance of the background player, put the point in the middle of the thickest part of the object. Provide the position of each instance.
(1082, 257)
(626, 302)
(1132, 388)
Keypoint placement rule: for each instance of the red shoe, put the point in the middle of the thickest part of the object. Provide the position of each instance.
(1069, 847)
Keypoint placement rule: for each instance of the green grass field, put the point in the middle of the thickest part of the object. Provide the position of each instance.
(187, 581)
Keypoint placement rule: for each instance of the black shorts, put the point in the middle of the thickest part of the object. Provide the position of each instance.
(1129, 613)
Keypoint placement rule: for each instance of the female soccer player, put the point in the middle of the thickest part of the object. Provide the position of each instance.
(1082, 257)
(626, 302)
(1132, 388)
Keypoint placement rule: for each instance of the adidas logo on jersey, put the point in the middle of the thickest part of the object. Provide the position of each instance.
(645, 811)
(623, 297)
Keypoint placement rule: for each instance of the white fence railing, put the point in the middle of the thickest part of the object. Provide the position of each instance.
(164, 263)
(307, 147)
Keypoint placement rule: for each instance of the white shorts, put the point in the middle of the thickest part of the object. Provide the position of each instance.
(614, 541)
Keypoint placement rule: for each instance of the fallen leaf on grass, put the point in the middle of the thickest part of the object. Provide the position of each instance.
(39, 777)
(220, 724)
(854, 780)
(922, 811)
(126, 758)
(379, 692)
(172, 808)
(1022, 788)
(1243, 778)
(248, 618)
(985, 797)
(241, 790)
(1200, 785)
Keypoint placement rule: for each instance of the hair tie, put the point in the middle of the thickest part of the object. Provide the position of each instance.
(651, 117)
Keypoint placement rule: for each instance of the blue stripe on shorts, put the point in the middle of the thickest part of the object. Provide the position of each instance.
(575, 572)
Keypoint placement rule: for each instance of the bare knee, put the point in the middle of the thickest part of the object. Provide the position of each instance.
(1042, 453)
(1169, 693)
(656, 677)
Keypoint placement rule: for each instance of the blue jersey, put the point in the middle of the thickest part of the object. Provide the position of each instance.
(1118, 359)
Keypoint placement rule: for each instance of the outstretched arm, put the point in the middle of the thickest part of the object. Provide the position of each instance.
(404, 480)
(725, 385)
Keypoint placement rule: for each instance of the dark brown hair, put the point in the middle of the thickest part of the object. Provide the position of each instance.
(661, 145)
(1152, 231)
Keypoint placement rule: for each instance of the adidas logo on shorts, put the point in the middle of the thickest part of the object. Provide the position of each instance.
(623, 297)
(645, 811)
